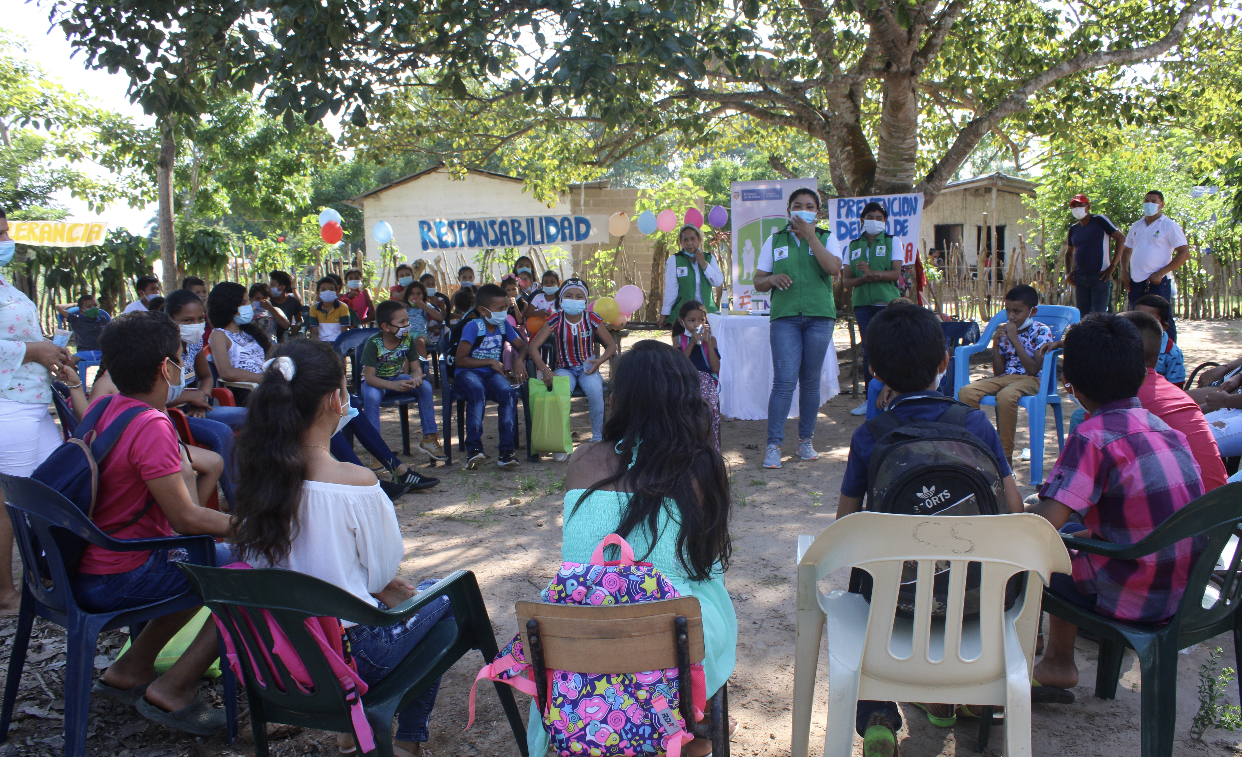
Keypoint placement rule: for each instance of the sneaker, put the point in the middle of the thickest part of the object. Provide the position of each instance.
(860, 410)
(393, 489)
(432, 446)
(508, 461)
(560, 457)
(476, 459)
(806, 451)
(417, 482)
(880, 738)
(773, 457)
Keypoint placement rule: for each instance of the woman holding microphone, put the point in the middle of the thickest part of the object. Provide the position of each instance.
(796, 266)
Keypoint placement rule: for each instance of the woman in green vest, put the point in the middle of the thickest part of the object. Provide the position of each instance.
(691, 274)
(871, 274)
(796, 266)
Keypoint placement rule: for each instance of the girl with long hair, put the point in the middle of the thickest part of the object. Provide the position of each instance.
(692, 334)
(238, 346)
(301, 509)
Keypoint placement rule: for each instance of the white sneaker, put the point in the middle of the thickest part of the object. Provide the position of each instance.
(806, 451)
(860, 410)
(772, 459)
(560, 457)
(475, 461)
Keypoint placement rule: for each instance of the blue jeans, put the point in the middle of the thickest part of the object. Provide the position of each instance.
(863, 316)
(799, 345)
(1229, 437)
(372, 441)
(477, 387)
(219, 439)
(593, 386)
(379, 649)
(1164, 289)
(1091, 294)
(373, 396)
(233, 417)
(156, 579)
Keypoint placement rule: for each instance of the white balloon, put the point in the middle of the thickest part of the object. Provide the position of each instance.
(328, 214)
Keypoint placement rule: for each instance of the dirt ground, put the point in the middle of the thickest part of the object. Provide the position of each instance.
(506, 528)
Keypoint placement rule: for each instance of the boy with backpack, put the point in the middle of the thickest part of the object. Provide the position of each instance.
(905, 345)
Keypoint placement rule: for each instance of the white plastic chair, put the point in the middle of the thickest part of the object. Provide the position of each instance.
(875, 654)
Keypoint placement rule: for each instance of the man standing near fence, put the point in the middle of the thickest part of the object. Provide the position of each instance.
(1155, 247)
(1087, 256)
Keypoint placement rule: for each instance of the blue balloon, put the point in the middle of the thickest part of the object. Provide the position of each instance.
(382, 232)
(646, 222)
(328, 214)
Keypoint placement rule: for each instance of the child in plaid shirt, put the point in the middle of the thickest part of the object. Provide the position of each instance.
(1125, 472)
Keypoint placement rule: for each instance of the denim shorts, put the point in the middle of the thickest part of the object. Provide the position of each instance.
(157, 579)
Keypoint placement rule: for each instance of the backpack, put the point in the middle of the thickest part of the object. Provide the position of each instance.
(600, 714)
(73, 470)
(931, 468)
(449, 342)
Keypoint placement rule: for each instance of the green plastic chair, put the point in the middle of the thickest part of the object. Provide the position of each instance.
(1208, 608)
(293, 597)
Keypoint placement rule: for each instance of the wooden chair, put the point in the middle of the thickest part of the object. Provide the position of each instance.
(624, 639)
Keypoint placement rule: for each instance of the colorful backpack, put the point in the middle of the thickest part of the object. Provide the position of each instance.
(605, 715)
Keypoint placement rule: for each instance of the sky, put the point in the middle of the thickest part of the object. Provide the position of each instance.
(49, 48)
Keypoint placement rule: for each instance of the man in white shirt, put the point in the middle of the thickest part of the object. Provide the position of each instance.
(147, 287)
(1155, 247)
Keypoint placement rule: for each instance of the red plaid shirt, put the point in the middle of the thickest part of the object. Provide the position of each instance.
(1125, 471)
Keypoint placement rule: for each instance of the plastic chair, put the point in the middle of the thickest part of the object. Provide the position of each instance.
(875, 653)
(1058, 318)
(291, 598)
(347, 346)
(1208, 609)
(956, 333)
(45, 524)
(182, 424)
(64, 409)
(624, 639)
(83, 364)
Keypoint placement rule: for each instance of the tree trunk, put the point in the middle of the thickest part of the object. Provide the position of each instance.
(655, 298)
(168, 236)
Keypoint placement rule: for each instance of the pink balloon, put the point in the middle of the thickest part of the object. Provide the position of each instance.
(629, 298)
(666, 221)
(694, 218)
(718, 217)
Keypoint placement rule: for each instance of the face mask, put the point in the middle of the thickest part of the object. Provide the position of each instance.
(245, 314)
(467, 284)
(573, 307)
(92, 313)
(1079, 212)
(524, 270)
(401, 332)
(192, 333)
(873, 227)
(1029, 320)
(805, 215)
(940, 377)
(431, 291)
(1150, 209)
(328, 296)
(276, 291)
(551, 291)
(346, 418)
(497, 318)
(7, 250)
(405, 281)
(355, 284)
(174, 390)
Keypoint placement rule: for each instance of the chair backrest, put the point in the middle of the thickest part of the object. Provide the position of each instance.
(1058, 318)
(347, 346)
(64, 409)
(921, 650)
(957, 333)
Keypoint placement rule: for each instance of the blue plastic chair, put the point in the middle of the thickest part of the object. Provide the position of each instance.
(83, 364)
(64, 409)
(45, 523)
(1058, 318)
(347, 345)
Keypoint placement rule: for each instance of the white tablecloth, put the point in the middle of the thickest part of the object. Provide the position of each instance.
(746, 367)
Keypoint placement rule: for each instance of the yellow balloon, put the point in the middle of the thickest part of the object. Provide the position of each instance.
(618, 224)
(606, 308)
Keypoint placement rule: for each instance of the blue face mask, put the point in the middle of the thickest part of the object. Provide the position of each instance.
(497, 319)
(467, 284)
(8, 249)
(346, 418)
(551, 291)
(245, 314)
(405, 281)
(1150, 209)
(573, 307)
(805, 215)
(524, 270)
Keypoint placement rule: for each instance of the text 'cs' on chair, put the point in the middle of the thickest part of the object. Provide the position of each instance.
(349, 346)
(238, 597)
(956, 655)
(1056, 317)
(48, 528)
(1208, 609)
(632, 638)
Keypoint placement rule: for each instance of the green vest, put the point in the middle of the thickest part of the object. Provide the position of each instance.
(810, 294)
(688, 276)
(879, 257)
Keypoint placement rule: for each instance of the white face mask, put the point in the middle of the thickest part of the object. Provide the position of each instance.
(939, 378)
(1150, 209)
(174, 390)
(1079, 212)
(328, 296)
(192, 333)
(346, 417)
(355, 284)
(1029, 320)
(873, 227)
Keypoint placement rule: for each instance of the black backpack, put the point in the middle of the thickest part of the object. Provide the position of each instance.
(449, 342)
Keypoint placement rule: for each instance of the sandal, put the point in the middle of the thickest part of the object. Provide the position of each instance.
(1050, 694)
(198, 717)
(128, 697)
(937, 720)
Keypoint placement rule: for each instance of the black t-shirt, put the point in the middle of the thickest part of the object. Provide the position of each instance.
(292, 308)
(1090, 243)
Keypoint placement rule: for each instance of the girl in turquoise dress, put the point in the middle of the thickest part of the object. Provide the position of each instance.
(657, 480)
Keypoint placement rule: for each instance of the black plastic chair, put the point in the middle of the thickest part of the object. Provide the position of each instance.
(64, 409)
(348, 346)
(234, 596)
(46, 525)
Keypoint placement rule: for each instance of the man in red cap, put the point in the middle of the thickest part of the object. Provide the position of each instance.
(1088, 257)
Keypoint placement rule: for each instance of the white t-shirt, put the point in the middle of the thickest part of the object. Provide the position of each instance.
(1152, 245)
(137, 306)
(766, 255)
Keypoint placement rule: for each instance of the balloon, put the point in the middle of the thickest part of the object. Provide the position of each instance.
(666, 221)
(694, 218)
(331, 232)
(327, 215)
(382, 232)
(618, 224)
(646, 222)
(606, 308)
(718, 217)
(534, 324)
(620, 321)
(629, 298)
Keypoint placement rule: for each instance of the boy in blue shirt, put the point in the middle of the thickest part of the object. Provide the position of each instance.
(480, 376)
(905, 345)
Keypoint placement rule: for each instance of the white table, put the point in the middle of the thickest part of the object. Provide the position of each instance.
(746, 367)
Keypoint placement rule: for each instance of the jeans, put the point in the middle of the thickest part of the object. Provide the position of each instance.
(1229, 434)
(219, 439)
(233, 417)
(863, 315)
(372, 441)
(1091, 294)
(593, 386)
(373, 396)
(799, 345)
(1164, 289)
(379, 649)
(157, 579)
(477, 387)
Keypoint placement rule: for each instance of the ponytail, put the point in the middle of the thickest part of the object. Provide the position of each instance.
(270, 463)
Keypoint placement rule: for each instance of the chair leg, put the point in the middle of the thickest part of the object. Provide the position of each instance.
(1158, 662)
(720, 721)
(985, 729)
(530, 450)
(258, 724)
(405, 429)
(17, 659)
(1037, 413)
(810, 626)
(447, 426)
(229, 683)
(461, 425)
(80, 639)
(1108, 669)
(1237, 649)
(1056, 414)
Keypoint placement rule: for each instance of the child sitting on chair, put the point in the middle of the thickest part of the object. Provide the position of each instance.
(1171, 364)
(422, 314)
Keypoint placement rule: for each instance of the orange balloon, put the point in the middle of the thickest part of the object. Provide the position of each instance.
(535, 323)
(619, 322)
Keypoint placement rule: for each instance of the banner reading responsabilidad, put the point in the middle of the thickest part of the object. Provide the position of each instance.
(58, 233)
(758, 209)
(905, 214)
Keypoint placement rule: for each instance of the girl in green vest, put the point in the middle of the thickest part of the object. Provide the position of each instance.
(691, 274)
(797, 268)
(871, 274)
